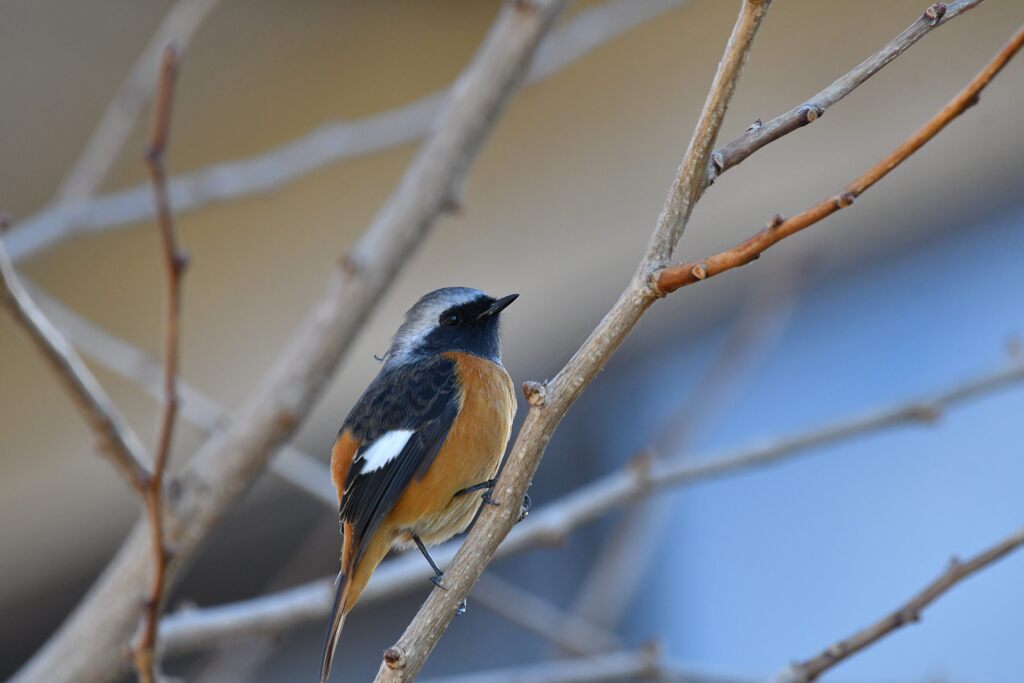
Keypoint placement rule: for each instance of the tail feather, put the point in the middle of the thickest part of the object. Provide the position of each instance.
(337, 622)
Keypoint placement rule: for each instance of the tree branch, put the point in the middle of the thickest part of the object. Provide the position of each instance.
(759, 135)
(175, 264)
(291, 465)
(116, 124)
(550, 402)
(116, 439)
(335, 142)
(677, 276)
(87, 645)
(198, 628)
(908, 613)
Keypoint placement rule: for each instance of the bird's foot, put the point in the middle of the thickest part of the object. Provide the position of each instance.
(526, 507)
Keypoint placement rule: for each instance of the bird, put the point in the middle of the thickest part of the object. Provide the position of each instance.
(426, 434)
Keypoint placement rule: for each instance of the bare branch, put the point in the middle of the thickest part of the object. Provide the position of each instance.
(759, 135)
(291, 465)
(568, 631)
(199, 628)
(87, 645)
(908, 613)
(550, 402)
(116, 439)
(672, 278)
(116, 124)
(175, 264)
(585, 31)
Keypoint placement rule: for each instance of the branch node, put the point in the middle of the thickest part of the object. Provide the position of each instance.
(536, 393)
(394, 657)
(350, 265)
(699, 271)
(812, 112)
(935, 12)
(754, 126)
(716, 166)
(925, 412)
(844, 199)
(776, 221)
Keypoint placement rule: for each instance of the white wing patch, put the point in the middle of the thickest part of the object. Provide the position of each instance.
(385, 449)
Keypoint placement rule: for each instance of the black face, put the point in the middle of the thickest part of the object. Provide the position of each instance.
(471, 327)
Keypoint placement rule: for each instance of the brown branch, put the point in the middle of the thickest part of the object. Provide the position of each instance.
(196, 628)
(908, 613)
(116, 439)
(761, 134)
(550, 402)
(224, 468)
(175, 264)
(677, 276)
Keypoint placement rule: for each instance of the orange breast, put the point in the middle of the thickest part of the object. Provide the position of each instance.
(471, 454)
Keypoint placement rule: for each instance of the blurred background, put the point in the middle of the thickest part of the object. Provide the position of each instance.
(913, 290)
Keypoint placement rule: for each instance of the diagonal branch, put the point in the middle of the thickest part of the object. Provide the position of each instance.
(586, 30)
(87, 645)
(908, 613)
(549, 404)
(672, 278)
(759, 135)
(197, 628)
(175, 264)
(292, 466)
(115, 125)
(116, 439)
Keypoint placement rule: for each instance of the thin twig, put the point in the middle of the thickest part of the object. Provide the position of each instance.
(117, 440)
(760, 134)
(333, 143)
(197, 628)
(549, 404)
(175, 264)
(677, 276)
(292, 465)
(104, 145)
(227, 464)
(908, 613)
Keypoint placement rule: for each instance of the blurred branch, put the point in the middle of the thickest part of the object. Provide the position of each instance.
(104, 145)
(643, 664)
(568, 631)
(759, 135)
(175, 264)
(291, 465)
(550, 402)
(87, 645)
(117, 441)
(672, 278)
(198, 628)
(585, 31)
(623, 560)
(908, 613)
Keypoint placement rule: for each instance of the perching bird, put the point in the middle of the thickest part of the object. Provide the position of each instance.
(428, 432)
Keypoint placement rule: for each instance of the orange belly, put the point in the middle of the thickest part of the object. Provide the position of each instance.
(472, 452)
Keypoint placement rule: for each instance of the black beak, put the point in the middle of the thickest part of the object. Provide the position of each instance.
(498, 306)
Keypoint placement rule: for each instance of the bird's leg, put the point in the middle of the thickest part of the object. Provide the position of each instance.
(436, 580)
(485, 486)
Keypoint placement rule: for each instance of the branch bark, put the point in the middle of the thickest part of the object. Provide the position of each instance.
(175, 264)
(585, 31)
(759, 135)
(677, 276)
(117, 441)
(86, 647)
(196, 628)
(550, 402)
(908, 613)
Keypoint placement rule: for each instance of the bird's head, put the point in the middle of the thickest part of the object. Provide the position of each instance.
(450, 319)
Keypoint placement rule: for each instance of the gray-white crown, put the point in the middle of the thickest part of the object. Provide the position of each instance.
(423, 317)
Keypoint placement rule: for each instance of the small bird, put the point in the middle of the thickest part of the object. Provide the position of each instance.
(429, 431)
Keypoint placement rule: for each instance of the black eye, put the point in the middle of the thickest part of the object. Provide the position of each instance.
(451, 319)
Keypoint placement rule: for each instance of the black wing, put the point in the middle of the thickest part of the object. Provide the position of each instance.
(422, 397)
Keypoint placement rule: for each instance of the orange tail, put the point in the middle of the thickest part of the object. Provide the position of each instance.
(337, 622)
